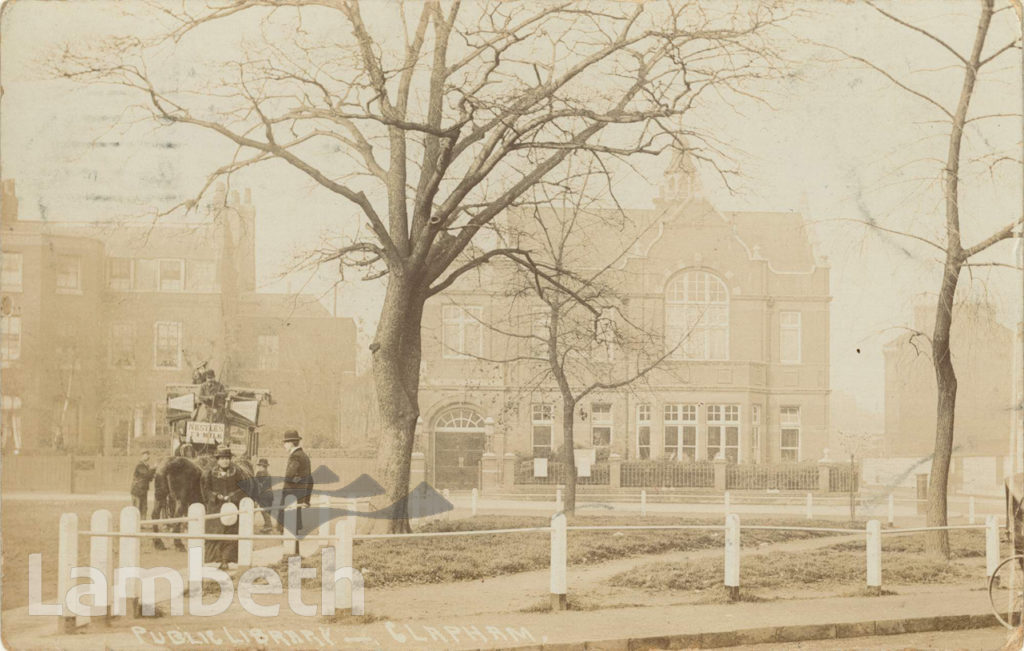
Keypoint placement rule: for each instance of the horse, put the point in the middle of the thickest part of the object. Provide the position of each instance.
(177, 485)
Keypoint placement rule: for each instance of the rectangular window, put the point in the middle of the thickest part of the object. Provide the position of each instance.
(643, 431)
(160, 427)
(789, 440)
(10, 423)
(266, 347)
(119, 274)
(202, 275)
(789, 337)
(10, 338)
(167, 345)
(11, 279)
(680, 432)
(69, 274)
(172, 275)
(463, 331)
(145, 278)
(542, 417)
(755, 431)
(601, 424)
(122, 345)
(724, 432)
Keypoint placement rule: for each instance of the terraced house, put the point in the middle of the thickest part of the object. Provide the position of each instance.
(742, 291)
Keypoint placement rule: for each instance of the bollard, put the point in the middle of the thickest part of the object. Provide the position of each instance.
(448, 498)
(475, 495)
(874, 553)
(67, 558)
(892, 510)
(343, 530)
(290, 544)
(732, 556)
(128, 557)
(727, 503)
(991, 546)
(101, 558)
(970, 511)
(643, 503)
(559, 559)
(246, 526)
(196, 527)
(558, 499)
(810, 506)
(324, 504)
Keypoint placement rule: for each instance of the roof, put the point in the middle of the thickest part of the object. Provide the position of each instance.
(779, 237)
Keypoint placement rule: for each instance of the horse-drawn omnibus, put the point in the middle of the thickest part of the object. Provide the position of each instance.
(206, 414)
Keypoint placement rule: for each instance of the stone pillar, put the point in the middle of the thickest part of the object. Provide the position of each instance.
(508, 471)
(489, 442)
(824, 478)
(720, 466)
(418, 469)
(614, 470)
(489, 472)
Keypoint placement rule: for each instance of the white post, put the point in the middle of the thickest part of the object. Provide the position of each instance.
(810, 506)
(643, 503)
(128, 556)
(732, 555)
(448, 498)
(727, 501)
(246, 527)
(558, 499)
(874, 552)
(970, 511)
(559, 559)
(473, 499)
(342, 558)
(892, 510)
(67, 558)
(101, 558)
(196, 527)
(290, 545)
(323, 503)
(991, 545)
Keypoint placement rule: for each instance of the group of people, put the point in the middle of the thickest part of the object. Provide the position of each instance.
(227, 483)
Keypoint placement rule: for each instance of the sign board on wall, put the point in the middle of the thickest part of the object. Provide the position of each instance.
(199, 432)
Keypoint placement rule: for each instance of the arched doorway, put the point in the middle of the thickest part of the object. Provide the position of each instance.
(459, 439)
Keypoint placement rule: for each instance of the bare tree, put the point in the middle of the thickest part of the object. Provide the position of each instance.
(428, 120)
(955, 255)
(577, 335)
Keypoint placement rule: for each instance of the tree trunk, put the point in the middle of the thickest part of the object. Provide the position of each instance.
(396, 363)
(568, 422)
(937, 542)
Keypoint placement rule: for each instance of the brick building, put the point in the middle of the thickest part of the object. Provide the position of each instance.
(99, 318)
(750, 383)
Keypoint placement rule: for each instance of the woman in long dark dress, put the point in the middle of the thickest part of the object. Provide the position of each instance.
(222, 483)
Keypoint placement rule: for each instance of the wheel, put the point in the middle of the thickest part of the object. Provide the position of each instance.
(1006, 591)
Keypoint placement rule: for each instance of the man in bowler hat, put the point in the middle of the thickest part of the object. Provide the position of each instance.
(298, 476)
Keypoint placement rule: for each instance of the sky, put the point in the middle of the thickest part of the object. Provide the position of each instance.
(833, 140)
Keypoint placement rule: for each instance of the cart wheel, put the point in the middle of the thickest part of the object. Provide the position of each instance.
(1006, 591)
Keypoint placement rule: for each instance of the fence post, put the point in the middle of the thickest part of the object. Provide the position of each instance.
(874, 552)
(892, 510)
(67, 558)
(343, 532)
(727, 503)
(970, 511)
(448, 498)
(810, 506)
(473, 499)
(558, 499)
(732, 556)
(196, 527)
(991, 545)
(246, 525)
(559, 559)
(290, 545)
(101, 558)
(643, 503)
(324, 504)
(128, 557)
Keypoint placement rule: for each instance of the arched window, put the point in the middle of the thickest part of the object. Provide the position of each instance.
(697, 314)
(459, 419)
